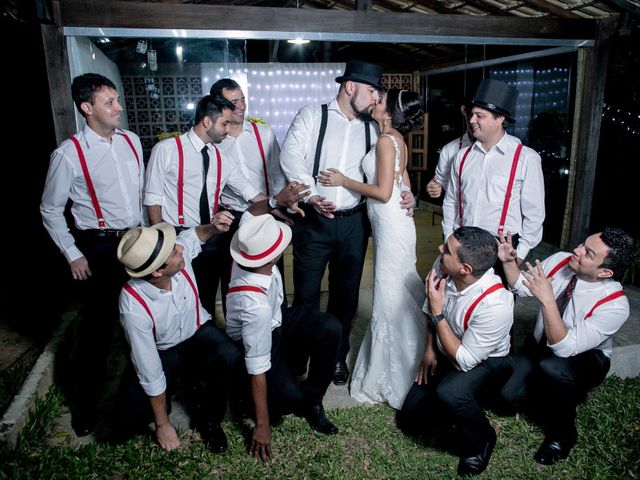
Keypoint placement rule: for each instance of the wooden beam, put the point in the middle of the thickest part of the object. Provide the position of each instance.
(325, 24)
(59, 75)
(591, 76)
(626, 5)
(364, 5)
(551, 8)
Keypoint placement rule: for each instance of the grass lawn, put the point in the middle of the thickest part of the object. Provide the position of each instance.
(369, 446)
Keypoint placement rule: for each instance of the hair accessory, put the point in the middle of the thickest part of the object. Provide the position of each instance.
(400, 105)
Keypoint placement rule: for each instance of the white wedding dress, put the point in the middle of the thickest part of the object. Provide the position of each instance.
(393, 345)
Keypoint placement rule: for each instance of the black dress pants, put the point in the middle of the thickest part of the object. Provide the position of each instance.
(455, 396)
(209, 355)
(98, 318)
(553, 386)
(341, 243)
(209, 267)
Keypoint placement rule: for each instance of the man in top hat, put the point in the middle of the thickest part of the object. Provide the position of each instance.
(335, 229)
(496, 183)
(185, 178)
(582, 305)
(100, 169)
(277, 345)
(170, 332)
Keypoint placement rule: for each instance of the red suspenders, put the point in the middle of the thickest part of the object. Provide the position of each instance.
(131, 291)
(606, 299)
(488, 291)
(507, 196)
(559, 266)
(246, 288)
(87, 177)
(264, 158)
(181, 181)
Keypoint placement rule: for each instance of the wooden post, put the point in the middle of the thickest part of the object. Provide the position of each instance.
(591, 76)
(59, 75)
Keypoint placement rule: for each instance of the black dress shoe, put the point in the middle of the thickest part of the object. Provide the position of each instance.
(318, 421)
(83, 423)
(341, 373)
(477, 464)
(214, 437)
(553, 450)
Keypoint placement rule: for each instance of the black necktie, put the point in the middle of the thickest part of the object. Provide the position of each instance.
(205, 216)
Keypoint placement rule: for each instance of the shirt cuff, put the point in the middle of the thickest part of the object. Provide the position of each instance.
(72, 253)
(465, 359)
(258, 365)
(155, 388)
(152, 199)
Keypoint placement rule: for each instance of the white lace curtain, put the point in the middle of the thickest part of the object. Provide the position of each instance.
(276, 91)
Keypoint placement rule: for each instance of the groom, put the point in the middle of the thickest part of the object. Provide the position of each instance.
(335, 229)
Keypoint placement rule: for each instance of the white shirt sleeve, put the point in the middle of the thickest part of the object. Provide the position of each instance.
(256, 335)
(589, 333)
(156, 172)
(56, 193)
(443, 168)
(277, 179)
(450, 203)
(144, 353)
(296, 164)
(531, 204)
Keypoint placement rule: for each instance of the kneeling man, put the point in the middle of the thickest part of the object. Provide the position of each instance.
(170, 333)
(470, 314)
(582, 305)
(277, 342)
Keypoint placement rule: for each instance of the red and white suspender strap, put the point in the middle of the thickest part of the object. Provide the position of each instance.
(246, 288)
(87, 177)
(195, 294)
(488, 291)
(507, 196)
(264, 158)
(608, 298)
(131, 291)
(181, 181)
(558, 267)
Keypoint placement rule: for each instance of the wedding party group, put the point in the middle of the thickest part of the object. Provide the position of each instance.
(151, 242)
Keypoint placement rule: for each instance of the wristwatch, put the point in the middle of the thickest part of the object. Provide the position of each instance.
(433, 320)
(273, 202)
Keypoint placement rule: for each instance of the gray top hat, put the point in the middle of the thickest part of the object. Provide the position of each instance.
(496, 96)
(362, 72)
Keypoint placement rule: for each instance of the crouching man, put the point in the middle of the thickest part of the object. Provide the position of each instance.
(582, 305)
(277, 342)
(171, 334)
(470, 314)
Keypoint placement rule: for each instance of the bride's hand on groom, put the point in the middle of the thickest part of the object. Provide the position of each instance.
(332, 177)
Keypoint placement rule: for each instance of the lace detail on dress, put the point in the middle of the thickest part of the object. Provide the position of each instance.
(394, 341)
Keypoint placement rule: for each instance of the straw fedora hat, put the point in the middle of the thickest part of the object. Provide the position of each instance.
(143, 250)
(259, 240)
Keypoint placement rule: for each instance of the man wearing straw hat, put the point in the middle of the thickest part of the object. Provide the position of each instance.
(277, 344)
(169, 330)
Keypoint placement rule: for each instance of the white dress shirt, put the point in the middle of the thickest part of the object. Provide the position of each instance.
(246, 154)
(162, 178)
(344, 147)
(447, 156)
(485, 177)
(174, 312)
(117, 178)
(583, 334)
(251, 316)
(487, 333)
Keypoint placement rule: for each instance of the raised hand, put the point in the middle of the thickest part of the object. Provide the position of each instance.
(538, 283)
(435, 292)
(506, 252)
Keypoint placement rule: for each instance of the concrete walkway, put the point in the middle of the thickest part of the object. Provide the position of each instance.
(625, 362)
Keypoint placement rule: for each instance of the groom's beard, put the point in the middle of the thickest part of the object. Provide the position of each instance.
(364, 114)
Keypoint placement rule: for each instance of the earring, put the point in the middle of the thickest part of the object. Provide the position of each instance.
(385, 122)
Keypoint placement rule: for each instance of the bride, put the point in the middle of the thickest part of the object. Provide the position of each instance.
(394, 342)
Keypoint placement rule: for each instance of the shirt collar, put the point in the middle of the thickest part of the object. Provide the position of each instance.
(257, 279)
(92, 138)
(196, 141)
(584, 286)
(471, 289)
(333, 105)
(147, 288)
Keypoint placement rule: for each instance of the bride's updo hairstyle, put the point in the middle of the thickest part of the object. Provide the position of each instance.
(405, 108)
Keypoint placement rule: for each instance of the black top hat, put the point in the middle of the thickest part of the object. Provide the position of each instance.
(496, 96)
(362, 72)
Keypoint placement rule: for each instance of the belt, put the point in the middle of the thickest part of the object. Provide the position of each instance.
(105, 232)
(350, 211)
(180, 229)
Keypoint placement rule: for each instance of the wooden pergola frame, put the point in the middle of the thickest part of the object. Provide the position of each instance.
(591, 37)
